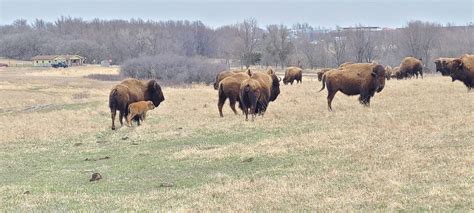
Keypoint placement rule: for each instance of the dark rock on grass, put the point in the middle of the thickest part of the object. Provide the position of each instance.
(95, 177)
(248, 160)
(166, 185)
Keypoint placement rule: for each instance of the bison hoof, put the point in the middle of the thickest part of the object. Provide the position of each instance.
(113, 128)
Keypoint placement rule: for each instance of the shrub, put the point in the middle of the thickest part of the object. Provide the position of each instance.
(173, 69)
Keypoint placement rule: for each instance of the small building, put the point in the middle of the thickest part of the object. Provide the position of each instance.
(48, 60)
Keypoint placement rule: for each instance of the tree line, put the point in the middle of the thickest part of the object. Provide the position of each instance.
(242, 44)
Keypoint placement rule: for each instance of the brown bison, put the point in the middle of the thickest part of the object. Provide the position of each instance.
(292, 74)
(364, 79)
(321, 72)
(138, 109)
(462, 69)
(411, 66)
(251, 93)
(268, 87)
(222, 75)
(229, 88)
(441, 65)
(396, 73)
(133, 90)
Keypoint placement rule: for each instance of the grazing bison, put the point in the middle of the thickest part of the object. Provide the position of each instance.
(133, 90)
(292, 74)
(364, 79)
(441, 65)
(230, 88)
(396, 73)
(321, 72)
(462, 69)
(138, 109)
(411, 66)
(269, 89)
(221, 76)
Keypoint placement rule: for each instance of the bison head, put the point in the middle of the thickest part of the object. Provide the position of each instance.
(150, 105)
(275, 86)
(454, 67)
(378, 73)
(286, 79)
(154, 93)
(438, 65)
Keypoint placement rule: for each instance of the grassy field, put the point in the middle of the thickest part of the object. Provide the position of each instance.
(413, 149)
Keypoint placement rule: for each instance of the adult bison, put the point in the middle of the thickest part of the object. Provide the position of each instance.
(133, 90)
(411, 66)
(229, 88)
(293, 74)
(441, 65)
(462, 69)
(222, 75)
(259, 91)
(362, 78)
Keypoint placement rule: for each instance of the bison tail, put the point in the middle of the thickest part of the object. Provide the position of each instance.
(323, 80)
(248, 98)
(113, 99)
(220, 89)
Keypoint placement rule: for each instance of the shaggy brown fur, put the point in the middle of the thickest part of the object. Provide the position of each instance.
(252, 93)
(138, 109)
(345, 64)
(364, 79)
(462, 69)
(230, 88)
(396, 73)
(222, 75)
(270, 84)
(292, 74)
(441, 65)
(133, 90)
(411, 66)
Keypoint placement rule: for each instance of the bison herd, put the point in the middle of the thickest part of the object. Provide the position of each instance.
(254, 90)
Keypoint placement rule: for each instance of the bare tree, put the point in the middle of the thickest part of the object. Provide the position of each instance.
(419, 38)
(249, 37)
(337, 47)
(278, 44)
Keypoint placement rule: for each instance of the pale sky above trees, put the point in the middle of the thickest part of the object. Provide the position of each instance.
(383, 13)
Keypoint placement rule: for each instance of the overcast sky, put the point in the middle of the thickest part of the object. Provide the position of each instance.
(383, 13)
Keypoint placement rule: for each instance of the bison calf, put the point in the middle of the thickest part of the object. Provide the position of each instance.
(138, 109)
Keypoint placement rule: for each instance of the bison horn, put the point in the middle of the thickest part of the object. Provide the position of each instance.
(279, 79)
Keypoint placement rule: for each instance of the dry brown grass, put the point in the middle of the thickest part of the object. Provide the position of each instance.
(411, 150)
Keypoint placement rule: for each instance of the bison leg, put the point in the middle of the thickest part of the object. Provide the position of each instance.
(246, 112)
(138, 120)
(220, 103)
(121, 116)
(331, 95)
(129, 119)
(113, 112)
(232, 103)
